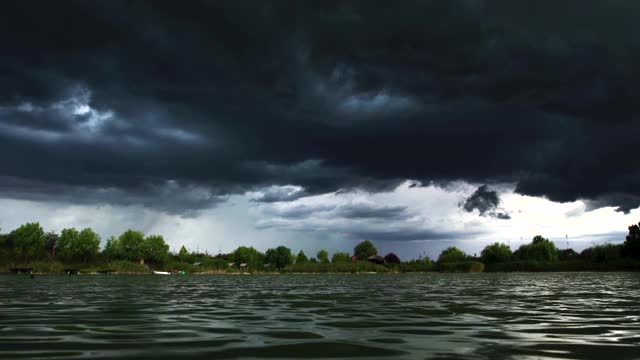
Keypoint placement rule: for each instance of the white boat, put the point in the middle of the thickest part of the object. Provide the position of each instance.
(161, 273)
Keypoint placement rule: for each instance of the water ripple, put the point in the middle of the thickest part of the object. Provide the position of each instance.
(483, 316)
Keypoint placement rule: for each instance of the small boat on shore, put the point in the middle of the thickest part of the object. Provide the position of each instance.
(161, 273)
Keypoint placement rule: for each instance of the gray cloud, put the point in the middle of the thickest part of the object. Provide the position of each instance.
(486, 202)
(372, 211)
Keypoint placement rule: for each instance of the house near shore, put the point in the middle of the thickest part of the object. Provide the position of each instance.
(392, 258)
(354, 258)
(376, 259)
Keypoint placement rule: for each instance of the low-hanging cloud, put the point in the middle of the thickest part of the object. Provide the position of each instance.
(486, 202)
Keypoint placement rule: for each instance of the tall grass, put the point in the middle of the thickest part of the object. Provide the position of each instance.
(460, 266)
(127, 267)
(413, 266)
(340, 267)
(47, 267)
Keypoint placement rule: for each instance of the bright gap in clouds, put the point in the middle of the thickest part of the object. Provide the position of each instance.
(410, 220)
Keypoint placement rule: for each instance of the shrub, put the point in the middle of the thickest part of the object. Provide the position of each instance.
(48, 267)
(602, 253)
(495, 253)
(452, 254)
(340, 257)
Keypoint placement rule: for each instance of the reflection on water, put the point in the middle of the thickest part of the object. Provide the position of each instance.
(553, 316)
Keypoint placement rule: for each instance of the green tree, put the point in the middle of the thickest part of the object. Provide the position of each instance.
(538, 239)
(495, 253)
(50, 243)
(631, 246)
(323, 256)
(364, 250)
(87, 245)
(249, 255)
(155, 249)
(28, 240)
(183, 253)
(540, 249)
(602, 253)
(340, 257)
(6, 245)
(132, 245)
(279, 257)
(301, 258)
(66, 242)
(111, 249)
(451, 254)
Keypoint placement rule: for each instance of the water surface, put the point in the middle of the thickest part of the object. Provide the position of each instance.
(483, 316)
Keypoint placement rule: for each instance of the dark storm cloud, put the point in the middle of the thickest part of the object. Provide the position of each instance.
(410, 234)
(170, 196)
(483, 200)
(350, 211)
(370, 211)
(623, 202)
(230, 96)
(486, 202)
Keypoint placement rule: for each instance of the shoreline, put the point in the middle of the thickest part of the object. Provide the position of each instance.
(327, 273)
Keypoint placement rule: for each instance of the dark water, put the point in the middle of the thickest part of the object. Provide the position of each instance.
(484, 316)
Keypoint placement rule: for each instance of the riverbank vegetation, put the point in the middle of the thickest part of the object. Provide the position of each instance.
(30, 247)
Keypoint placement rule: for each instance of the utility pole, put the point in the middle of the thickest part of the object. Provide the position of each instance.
(567, 237)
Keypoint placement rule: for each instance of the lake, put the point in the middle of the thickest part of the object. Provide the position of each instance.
(404, 316)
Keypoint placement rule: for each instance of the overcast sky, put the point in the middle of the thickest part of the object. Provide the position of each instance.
(415, 124)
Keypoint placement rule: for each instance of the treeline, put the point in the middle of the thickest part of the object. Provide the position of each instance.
(30, 243)
(50, 252)
(134, 251)
(542, 255)
(282, 259)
